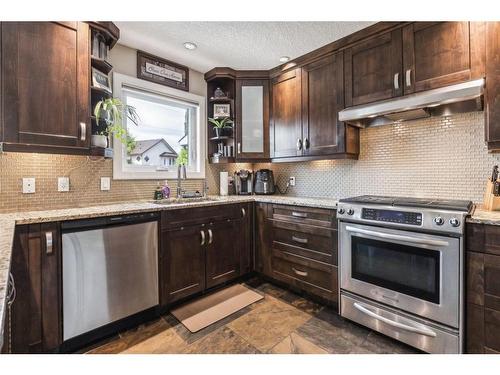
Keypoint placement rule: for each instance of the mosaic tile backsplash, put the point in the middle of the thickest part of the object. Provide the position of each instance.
(442, 158)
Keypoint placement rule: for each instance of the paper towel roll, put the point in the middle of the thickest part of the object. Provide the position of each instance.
(224, 181)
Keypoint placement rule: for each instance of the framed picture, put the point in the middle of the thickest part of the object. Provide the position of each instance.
(222, 110)
(155, 69)
(101, 80)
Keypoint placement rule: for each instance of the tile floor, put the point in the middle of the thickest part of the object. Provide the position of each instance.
(282, 323)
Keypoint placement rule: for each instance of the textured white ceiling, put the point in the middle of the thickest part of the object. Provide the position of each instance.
(239, 45)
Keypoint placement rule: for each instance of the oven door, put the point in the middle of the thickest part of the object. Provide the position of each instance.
(415, 272)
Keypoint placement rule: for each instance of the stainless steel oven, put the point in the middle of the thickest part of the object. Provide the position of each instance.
(401, 269)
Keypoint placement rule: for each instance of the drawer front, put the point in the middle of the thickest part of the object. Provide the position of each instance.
(201, 215)
(492, 329)
(305, 215)
(492, 281)
(316, 277)
(323, 249)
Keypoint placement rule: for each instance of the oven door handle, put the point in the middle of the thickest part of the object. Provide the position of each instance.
(388, 236)
(422, 331)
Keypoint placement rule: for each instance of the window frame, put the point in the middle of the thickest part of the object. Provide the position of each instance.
(119, 173)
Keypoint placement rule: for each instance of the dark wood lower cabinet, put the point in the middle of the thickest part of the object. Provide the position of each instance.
(483, 289)
(35, 316)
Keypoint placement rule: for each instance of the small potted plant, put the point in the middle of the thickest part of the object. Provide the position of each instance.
(110, 112)
(221, 125)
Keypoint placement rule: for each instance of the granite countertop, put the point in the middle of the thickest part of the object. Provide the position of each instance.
(482, 216)
(8, 222)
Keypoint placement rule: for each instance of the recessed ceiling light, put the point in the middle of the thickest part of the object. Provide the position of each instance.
(190, 45)
(284, 59)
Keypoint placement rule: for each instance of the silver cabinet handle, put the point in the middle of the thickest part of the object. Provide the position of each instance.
(202, 238)
(396, 81)
(299, 214)
(422, 331)
(49, 242)
(239, 148)
(299, 144)
(408, 78)
(83, 131)
(210, 236)
(243, 212)
(299, 272)
(300, 240)
(13, 293)
(306, 144)
(388, 236)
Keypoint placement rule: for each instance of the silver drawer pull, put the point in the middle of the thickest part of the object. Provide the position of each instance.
(49, 242)
(374, 315)
(299, 272)
(300, 240)
(408, 78)
(202, 238)
(243, 212)
(299, 214)
(299, 144)
(396, 81)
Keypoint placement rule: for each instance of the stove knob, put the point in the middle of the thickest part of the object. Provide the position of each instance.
(341, 211)
(438, 220)
(454, 222)
(350, 211)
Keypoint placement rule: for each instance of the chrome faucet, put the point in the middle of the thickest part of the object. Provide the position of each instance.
(181, 175)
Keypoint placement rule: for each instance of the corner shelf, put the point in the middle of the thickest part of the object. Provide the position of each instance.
(101, 64)
(223, 160)
(105, 152)
(221, 138)
(221, 99)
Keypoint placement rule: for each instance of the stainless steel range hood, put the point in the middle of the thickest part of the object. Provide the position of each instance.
(462, 97)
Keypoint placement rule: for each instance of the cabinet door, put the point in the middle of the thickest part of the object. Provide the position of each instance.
(322, 99)
(437, 54)
(373, 69)
(252, 119)
(223, 255)
(286, 132)
(182, 262)
(45, 78)
(263, 239)
(245, 239)
(35, 315)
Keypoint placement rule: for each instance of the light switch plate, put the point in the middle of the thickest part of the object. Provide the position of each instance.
(105, 183)
(292, 180)
(28, 185)
(63, 184)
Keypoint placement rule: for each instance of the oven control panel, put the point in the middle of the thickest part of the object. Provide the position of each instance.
(392, 216)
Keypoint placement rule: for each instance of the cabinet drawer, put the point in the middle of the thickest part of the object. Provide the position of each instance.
(305, 215)
(492, 281)
(317, 277)
(321, 247)
(201, 215)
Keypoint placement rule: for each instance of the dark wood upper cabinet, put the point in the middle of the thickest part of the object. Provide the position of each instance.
(437, 54)
(252, 118)
(35, 317)
(322, 99)
(373, 69)
(286, 123)
(46, 86)
(182, 263)
(223, 255)
(492, 94)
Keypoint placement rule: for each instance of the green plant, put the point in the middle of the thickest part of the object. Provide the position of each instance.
(183, 157)
(221, 123)
(112, 111)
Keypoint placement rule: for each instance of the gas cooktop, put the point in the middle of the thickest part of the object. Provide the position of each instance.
(443, 204)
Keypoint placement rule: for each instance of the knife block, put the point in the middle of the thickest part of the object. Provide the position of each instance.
(490, 203)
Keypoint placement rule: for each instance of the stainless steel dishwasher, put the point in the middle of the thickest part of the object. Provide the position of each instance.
(110, 270)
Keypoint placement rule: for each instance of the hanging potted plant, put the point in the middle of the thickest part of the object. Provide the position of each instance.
(110, 112)
(222, 126)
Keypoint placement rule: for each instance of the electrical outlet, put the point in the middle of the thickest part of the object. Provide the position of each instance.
(105, 183)
(28, 185)
(63, 184)
(291, 179)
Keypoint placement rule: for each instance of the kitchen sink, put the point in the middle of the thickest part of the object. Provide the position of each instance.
(185, 200)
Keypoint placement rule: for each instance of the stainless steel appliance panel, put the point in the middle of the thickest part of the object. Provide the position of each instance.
(417, 332)
(109, 273)
(447, 253)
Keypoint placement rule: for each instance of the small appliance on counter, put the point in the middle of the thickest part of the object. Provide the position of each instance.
(264, 182)
(243, 182)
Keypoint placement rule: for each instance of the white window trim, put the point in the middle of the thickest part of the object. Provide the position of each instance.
(121, 80)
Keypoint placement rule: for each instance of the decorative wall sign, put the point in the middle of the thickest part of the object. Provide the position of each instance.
(158, 70)
(222, 110)
(101, 80)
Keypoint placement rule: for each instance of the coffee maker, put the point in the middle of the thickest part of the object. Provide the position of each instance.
(243, 182)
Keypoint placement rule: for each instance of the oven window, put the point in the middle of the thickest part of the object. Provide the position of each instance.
(410, 270)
